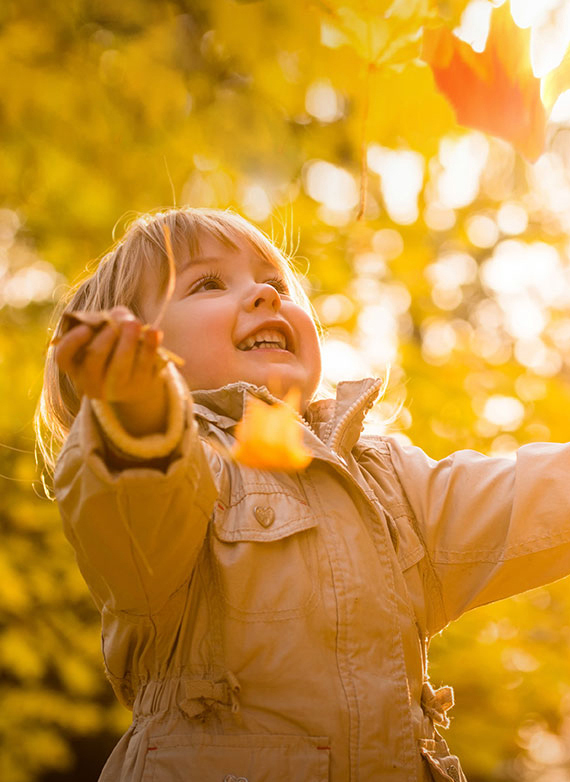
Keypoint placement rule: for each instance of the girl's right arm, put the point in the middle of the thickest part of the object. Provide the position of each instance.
(137, 531)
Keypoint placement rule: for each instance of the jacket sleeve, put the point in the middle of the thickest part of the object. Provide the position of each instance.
(136, 531)
(493, 527)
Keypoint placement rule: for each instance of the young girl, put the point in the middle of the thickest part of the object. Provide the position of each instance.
(268, 626)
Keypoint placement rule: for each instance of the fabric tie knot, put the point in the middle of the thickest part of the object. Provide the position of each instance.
(202, 696)
(436, 703)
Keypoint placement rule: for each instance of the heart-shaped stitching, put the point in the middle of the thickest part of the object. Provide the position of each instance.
(264, 514)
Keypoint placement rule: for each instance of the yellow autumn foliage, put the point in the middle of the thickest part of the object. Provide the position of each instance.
(457, 276)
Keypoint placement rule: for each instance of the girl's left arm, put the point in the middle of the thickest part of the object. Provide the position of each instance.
(493, 527)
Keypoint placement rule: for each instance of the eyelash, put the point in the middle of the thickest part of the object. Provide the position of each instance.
(278, 283)
(205, 278)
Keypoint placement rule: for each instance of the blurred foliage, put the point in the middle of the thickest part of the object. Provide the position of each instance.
(458, 276)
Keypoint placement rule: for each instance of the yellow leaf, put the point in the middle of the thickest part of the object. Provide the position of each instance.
(270, 437)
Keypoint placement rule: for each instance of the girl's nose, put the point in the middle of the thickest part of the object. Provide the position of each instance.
(264, 294)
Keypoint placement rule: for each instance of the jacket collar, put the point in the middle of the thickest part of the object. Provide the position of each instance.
(336, 422)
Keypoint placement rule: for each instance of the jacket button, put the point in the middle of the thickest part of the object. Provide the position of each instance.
(233, 778)
(264, 515)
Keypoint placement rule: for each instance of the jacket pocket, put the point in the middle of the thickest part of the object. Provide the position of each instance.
(251, 758)
(442, 766)
(265, 551)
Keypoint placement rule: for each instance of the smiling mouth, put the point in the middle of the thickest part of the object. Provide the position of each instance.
(266, 339)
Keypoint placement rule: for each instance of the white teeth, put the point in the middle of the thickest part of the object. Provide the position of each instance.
(265, 338)
(259, 345)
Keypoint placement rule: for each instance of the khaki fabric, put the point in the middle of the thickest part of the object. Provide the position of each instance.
(270, 626)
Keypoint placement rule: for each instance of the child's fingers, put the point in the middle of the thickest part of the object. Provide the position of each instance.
(91, 373)
(120, 368)
(68, 344)
(70, 348)
(85, 353)
(120, 315)
(145, 366)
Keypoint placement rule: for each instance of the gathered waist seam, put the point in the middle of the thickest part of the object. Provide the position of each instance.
(191, 695)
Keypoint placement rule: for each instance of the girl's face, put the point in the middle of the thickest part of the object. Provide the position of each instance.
(231, 319)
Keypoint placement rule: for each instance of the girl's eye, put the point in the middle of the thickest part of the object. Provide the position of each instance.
(279, 285)
(209, 282)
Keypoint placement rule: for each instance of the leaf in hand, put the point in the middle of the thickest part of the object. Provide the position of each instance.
(96, 320)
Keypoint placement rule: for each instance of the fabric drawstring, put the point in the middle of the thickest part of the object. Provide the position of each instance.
(436, 703)
(234, 689)
(202, 696)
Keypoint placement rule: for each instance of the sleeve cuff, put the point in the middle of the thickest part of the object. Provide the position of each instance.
(150, 446)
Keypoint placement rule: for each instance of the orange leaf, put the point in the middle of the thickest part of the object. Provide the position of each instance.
(270, 437)
(494, 91)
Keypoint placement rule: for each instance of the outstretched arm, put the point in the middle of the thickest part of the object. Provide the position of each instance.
(492, 527)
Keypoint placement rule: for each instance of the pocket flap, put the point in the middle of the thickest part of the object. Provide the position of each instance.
(235, 758)
(410, 547)
(262, 509)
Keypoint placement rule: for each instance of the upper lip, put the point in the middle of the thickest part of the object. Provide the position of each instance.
(271, 325)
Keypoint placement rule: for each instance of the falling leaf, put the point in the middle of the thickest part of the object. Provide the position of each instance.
(270, 437)
(494, 91)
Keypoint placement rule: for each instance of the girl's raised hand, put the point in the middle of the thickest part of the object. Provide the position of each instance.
(118, 363)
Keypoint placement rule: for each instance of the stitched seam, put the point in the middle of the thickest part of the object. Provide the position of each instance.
(508, 552)
(334, 438)
(344, 668)
(273, 615)
(399, 660)
(412, 557)
(284, 741)
(265, 490)
(434, 577)
(265, 535)
(263, 614)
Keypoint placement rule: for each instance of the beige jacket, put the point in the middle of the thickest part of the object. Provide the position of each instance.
(273, 627)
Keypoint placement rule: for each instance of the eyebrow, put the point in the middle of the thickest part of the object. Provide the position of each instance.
(203, 260)
(199, 260)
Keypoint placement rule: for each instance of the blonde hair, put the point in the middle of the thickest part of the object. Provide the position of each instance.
(117, 281)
